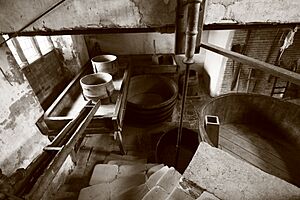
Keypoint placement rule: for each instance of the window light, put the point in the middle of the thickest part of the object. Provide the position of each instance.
(44, 44)
(29, 49)
(14, 51)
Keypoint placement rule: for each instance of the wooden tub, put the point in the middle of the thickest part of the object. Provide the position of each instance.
(259, 129)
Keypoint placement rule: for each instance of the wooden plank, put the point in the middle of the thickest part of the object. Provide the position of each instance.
(50, 148)
(270, 157)
(253, 159)
(248, 136)
(288, 156)
(265, 140)
(62, 134)
(266, 67)
(45, 180)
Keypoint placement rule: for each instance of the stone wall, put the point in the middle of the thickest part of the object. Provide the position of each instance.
(21, 140)
(80, 14)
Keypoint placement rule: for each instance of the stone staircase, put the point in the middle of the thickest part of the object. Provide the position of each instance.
(132, 178)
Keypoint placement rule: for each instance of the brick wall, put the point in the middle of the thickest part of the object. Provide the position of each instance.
(259, 47)
(47, 77)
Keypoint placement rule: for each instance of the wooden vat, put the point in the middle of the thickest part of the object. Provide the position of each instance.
(261, 130)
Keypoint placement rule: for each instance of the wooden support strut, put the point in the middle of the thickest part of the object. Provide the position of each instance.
(266, 67)
(45, 180)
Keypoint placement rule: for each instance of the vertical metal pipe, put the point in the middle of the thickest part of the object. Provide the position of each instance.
(179, 27)
(179, 133)
(192, 30)
(191, 38)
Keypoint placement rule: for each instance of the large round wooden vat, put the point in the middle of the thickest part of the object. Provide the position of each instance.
(151, 98)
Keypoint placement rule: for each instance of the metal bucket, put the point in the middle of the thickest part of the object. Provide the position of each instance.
(97, 86)
(105, 63)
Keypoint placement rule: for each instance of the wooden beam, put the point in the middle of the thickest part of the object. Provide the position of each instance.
(257, 64)
(45, 180)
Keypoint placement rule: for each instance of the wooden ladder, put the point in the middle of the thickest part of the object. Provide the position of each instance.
(281, 89)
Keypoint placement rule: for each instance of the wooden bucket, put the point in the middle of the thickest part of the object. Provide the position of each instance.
(105, 63)
(97, 86)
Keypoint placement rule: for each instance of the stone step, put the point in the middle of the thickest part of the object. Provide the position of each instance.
(138, 192)
(127, 162)
(179, 194)
(111, 190)
(169, 180)
(227, 177)
(154, 168)
(128, 170)
(156, 193)
(113, 156)
(104, 173)
(135, 193)
(154, 178)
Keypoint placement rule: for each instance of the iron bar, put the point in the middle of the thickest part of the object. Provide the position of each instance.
(190, 45)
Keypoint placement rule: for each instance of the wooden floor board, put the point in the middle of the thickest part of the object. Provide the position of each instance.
(278, 148)
(271, 154)
(271, 157)
(253, 159)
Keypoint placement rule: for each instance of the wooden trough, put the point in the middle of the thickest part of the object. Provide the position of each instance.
(108, 118)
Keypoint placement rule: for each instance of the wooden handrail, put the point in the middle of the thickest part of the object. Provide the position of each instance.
(266, 67)
(45, 180)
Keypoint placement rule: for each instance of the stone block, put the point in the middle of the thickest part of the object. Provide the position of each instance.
(103, 173)
(115, 188)
(207, 196)
(122, 184)
(152, 181)
(127, 162)
(229, 178)
(90, 193)
(169, 180)
(134, 193)
(154, 169)
(128, 170)
(179, 194)
(156, 193)
(113, 156)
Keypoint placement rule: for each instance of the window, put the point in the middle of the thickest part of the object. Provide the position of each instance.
(29, 49)
(26, 50)
(14, 51)
(45, 44)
